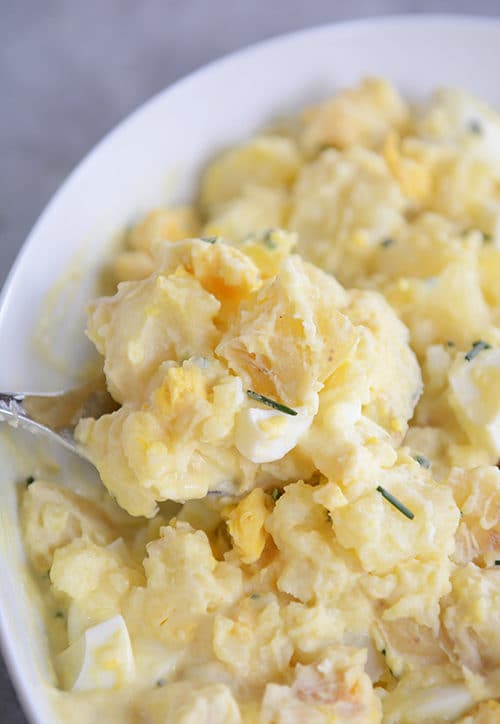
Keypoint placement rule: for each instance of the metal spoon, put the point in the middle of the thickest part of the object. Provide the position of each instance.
(56, 414)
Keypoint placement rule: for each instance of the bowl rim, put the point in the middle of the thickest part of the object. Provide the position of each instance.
(25, 696)
(207, 68)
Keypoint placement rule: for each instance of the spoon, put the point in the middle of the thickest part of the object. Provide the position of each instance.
(56, 414)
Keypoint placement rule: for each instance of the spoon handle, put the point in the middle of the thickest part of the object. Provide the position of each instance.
(12, 411)
(56, 414)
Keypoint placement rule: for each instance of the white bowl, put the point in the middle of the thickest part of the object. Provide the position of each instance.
(152, 158)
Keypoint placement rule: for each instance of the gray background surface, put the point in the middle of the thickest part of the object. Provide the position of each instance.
(70, 70)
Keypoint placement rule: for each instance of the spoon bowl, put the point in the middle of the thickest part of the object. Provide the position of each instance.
(56, 415)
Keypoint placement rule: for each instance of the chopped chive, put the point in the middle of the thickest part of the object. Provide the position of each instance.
(395, 502)
(386, 243)
(30, 480)
(497, 563)
(255, 596)
(161, 682)
(449, 343)
(383, 652)
(209, 239)
(59, 614)
(487, 238)
(477, 347)
(423, 461)
(475, 127)
(276, 494)
(267, 238)
(271, 403)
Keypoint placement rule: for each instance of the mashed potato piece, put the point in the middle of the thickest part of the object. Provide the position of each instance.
(307, 440)
(344, 205)
(335, 689)
(362, 116)
(266, 161)
(470, 619)
(135, 261)
(477, 494)
(200, 333)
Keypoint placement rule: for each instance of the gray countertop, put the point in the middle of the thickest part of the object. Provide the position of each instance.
(69, 71)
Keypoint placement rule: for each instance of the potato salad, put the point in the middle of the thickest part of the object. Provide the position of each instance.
(300, 518)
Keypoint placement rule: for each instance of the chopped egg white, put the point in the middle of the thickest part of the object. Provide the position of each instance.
(475, 397)
(100, 659)
(264, 436)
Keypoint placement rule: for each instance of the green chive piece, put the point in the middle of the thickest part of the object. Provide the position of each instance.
(59, 614)
(386, 243)
(209, 239)
(497, 563)
(449, 343)
(30, 480)
(267, 239)
(477, 347)
(395, 502)
(475, 127)
(276, 494)
(271, 403)
(161, 682)
(423, 461)
(487, 238)
(255, 596)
